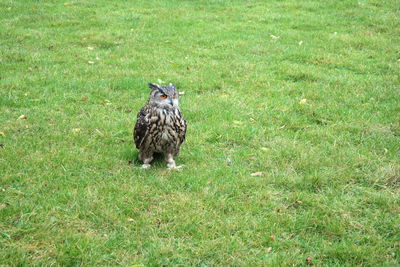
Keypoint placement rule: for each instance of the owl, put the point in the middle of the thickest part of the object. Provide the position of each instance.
(160, 126)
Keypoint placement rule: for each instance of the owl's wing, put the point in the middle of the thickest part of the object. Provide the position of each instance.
(141, 127)
(182, 129)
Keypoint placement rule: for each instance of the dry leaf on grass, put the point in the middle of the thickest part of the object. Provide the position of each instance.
(105, 102)
(4, 205)
(256, 174)
(23, 117)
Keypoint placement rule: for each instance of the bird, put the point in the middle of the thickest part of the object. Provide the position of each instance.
(160, 126)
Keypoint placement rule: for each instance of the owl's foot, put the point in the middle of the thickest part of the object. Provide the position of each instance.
(146, 166)
(171, 163)
(146, 162)
(174, 167)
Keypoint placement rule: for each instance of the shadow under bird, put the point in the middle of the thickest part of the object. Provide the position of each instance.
(160, 126)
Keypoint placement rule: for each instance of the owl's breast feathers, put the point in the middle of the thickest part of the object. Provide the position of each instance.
(159, 128)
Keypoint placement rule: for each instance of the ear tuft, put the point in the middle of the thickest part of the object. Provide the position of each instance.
(153, 86)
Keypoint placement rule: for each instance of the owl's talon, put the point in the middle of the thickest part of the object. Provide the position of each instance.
(146, 166)
(175, 167)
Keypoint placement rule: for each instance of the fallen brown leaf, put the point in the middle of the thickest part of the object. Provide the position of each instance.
(23, 117)
(3, 205)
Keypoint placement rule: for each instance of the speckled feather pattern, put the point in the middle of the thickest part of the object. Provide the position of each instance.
(159, 130)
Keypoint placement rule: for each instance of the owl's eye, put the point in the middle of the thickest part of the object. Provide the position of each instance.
(163, 96)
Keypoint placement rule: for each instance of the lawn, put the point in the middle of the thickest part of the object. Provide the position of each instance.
(304, 93)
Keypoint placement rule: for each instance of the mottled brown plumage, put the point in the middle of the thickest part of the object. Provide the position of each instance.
(160, 126)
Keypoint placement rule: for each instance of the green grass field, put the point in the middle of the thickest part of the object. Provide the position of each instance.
(306, 92)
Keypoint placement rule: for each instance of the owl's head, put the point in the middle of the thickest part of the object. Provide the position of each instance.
(164, 96)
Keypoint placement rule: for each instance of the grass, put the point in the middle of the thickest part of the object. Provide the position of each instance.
(306, 92)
